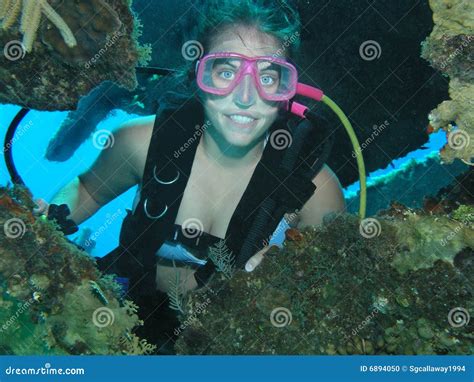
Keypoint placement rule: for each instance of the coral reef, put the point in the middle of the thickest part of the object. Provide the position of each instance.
(396, 283)
(450, 49)
(56, 72)
(53, 300)
(31, 12)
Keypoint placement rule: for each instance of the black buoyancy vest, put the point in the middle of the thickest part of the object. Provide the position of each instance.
(281, 183)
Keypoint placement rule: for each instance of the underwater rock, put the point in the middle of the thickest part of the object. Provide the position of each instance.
(54, 74)
(450, 49)
(385, 285)
(53, 300)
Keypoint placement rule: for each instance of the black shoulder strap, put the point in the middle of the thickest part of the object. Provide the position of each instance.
(282, 182)
(279, 188)
(168, 166)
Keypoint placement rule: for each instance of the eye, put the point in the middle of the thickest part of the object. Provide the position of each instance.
(267, 80)
(226, 74)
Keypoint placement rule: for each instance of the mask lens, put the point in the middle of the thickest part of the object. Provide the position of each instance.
(275, 79)
(221, 73)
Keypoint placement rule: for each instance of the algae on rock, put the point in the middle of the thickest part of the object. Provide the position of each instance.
(449, 49)
(47, 71)
(388, 287)
(53, 299)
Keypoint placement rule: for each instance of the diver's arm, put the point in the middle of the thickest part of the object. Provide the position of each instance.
(79, 201)
(116, 169)
(327, 198)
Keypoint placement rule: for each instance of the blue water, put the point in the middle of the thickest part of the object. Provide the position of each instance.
(436, 141)
(45, 178)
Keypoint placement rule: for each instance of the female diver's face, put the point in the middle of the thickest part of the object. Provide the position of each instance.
(241, 117)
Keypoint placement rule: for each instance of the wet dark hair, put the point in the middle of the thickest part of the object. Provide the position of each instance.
(278, 18)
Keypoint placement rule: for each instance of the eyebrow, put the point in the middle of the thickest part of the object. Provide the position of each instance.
(227, 61)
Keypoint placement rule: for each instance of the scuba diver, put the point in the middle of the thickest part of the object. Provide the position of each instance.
(228, 162)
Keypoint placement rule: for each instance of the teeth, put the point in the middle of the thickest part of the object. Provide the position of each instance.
(241, 118)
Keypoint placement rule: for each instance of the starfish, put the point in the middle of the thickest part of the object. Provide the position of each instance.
(31, 12)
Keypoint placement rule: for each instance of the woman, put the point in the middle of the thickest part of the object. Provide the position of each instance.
(239, 110)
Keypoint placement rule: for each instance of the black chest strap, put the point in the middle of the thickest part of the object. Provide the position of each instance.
(281, 183)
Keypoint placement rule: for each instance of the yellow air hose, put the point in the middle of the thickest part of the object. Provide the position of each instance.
(358, 152)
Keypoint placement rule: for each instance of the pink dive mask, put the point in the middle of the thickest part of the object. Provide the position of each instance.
(220, 73)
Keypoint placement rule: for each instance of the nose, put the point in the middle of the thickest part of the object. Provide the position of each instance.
(245, 93)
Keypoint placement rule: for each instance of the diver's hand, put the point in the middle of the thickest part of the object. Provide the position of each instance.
(256, 259)
(42, 208)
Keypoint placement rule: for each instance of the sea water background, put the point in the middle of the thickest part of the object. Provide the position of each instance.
(45, 178)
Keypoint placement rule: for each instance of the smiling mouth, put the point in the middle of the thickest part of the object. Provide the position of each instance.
(241, 119)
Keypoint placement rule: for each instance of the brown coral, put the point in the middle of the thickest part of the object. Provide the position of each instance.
(106, 50)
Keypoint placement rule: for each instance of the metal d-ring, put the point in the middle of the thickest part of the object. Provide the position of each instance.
(164, 181)
(151, 216)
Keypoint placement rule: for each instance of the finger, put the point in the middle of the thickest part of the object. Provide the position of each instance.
(255, 260)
